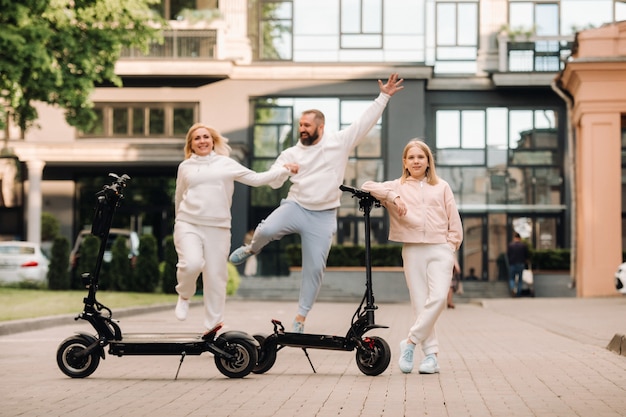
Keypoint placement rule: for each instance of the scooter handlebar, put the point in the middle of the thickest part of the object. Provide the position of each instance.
(355, 191)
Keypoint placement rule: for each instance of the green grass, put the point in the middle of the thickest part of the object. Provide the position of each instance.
(18, 303)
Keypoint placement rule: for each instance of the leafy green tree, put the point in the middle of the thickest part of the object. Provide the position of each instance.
(146, 276)
(56, 51)
(58, 273)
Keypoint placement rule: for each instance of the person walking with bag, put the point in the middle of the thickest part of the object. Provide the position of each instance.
(424, 217)
(517, 254)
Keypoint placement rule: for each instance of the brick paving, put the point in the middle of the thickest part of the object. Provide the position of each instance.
(499, 357)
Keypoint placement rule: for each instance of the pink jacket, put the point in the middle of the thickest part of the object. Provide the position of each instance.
(432, 215)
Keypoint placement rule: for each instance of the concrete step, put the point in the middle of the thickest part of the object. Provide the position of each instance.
(349, 285)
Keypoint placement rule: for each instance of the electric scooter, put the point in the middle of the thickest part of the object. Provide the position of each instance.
(78, 356)
(372, 353)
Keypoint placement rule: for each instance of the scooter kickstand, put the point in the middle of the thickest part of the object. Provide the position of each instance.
(306, 353)
(182, 358)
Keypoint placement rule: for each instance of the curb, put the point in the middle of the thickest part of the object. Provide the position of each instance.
(26, 325)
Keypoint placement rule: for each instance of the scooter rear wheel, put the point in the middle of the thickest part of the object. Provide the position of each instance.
(267, 355)
(375, 357)
(245, 358)
(70, 360)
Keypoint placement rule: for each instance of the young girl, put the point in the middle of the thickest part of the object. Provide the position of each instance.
(204, 191)
(424, 217)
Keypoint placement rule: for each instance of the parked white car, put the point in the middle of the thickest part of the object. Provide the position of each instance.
(620, 278)
(22, 261)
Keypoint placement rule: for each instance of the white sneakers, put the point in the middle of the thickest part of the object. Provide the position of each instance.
(428, 365)
(182, 308)
(406, 356)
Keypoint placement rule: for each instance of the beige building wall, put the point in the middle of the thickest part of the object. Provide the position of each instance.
(596, 80)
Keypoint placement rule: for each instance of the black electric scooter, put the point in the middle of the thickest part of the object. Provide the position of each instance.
(372, 353)
(78, 356)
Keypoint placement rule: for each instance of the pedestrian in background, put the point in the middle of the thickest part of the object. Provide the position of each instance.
(424, 217)
(518, 255)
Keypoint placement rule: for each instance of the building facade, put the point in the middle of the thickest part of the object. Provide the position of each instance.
(497, 88)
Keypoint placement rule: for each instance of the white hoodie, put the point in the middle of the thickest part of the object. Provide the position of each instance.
(205, 185)
(322, 166)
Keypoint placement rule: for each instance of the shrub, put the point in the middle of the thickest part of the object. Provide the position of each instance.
(146, 276)
(50, 227)
(551, 259)
(349, 255)
(233, 280)
(170, 258)
(120, 272)
(58, 273)
(87, 259)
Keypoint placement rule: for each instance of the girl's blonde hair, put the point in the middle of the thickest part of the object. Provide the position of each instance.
(220, 143)
(431, 172)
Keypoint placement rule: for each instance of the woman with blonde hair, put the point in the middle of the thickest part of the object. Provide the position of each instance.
(202, 203)
(424, 217)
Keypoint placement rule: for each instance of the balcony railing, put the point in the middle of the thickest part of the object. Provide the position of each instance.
(534, 54)
(201, 44)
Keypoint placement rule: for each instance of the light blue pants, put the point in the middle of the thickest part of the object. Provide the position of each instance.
(316, 230)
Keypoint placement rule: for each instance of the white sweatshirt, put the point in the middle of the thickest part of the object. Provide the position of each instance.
(205, 185)
(323, 165)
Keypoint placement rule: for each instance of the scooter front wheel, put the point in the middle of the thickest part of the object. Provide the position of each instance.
(374, 358)
(267, 355)
(72, 359)
(244, 361)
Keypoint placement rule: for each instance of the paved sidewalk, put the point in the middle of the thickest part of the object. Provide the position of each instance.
(499, 357)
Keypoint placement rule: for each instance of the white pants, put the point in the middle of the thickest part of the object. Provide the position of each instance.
(203, 249)
(428, 272)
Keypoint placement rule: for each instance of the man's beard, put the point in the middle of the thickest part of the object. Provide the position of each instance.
(309, 139)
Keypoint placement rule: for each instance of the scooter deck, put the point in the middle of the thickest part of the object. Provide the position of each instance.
(160, 344)
(315, 341)
(161, 337)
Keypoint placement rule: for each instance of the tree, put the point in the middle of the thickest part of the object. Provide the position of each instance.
(56, 51)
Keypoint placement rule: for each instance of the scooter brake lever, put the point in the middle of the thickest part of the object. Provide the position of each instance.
(278, 326)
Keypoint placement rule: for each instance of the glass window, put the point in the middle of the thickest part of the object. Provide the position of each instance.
(142, 120)
(577, 15)
(157, 121)
(620, 10)
(361, 24)
(276, 30)
(514, 155)
(120, 121)
(457, 31)
(460, 137)
(183, 119)
(342, 31)
(139, 117)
